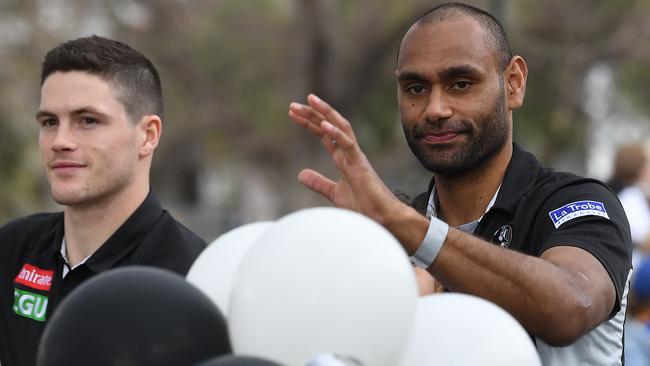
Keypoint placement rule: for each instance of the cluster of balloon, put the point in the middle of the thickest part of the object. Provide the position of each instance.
(323, 280)
(329, 287)
(134, 316)
(464, 330)
(214, 270)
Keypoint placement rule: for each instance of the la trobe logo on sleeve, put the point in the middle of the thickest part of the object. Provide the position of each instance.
(577, 209)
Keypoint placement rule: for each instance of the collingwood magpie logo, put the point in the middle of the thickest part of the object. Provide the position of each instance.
(503, 236)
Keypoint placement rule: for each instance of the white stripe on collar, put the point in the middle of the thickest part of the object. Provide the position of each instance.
(66, 265)
(431, 205)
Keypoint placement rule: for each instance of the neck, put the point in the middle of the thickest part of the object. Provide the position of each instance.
(89, 225)
(465, 198)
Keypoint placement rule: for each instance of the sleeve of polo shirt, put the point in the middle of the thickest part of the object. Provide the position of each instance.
(590, 217)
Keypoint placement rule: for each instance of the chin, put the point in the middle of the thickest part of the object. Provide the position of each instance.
(67, 200)
(68, 196)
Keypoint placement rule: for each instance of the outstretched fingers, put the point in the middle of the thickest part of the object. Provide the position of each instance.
(338, 137)
(330, 114)
(359, 187)
(307, 117)
(333, 135)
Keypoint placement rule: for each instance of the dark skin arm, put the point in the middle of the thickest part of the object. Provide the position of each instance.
(558, 297)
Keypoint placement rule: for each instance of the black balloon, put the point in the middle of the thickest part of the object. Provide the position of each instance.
(137, 316)
(237, 361)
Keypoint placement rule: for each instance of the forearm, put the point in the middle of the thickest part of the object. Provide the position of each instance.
(544, 298)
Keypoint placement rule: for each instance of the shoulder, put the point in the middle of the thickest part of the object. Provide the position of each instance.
(33, 220)
(29, 226)
(568, 191)
(177, 233)
(565, 200)
(24, 235)
(587, 214)
(552, 187)
(170, 245)
(569, 209)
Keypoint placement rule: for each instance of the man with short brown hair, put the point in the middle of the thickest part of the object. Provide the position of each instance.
(100, 122)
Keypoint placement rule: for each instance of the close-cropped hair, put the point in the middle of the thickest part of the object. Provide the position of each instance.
(494, 31)
(133, 75)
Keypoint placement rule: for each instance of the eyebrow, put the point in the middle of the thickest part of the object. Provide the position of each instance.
(449, 73)
(409, 76)
(76, 112)
(460, 70)
(40, 114)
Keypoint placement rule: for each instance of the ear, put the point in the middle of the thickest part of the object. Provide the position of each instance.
(149, 129)
(515, 82)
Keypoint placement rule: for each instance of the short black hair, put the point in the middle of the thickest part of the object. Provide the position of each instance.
(130, 72)
(494, 31)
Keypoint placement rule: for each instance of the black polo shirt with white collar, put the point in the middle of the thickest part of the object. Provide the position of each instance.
(538, 208)
(31, 268)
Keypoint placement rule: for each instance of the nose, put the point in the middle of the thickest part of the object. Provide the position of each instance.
(438, 106)
(63, 139)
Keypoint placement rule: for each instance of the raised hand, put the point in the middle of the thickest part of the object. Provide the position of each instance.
(359, 188)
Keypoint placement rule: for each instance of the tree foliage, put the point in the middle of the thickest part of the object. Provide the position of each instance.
(231, 67)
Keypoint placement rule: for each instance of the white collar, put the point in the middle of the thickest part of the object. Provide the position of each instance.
(64, 254)
(432, 212)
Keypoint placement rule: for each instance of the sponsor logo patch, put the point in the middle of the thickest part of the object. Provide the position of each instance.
(35, 277)
(503, 236)
(577, 209)
(30, 305)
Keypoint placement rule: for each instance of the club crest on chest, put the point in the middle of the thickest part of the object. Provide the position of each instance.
(503, 236)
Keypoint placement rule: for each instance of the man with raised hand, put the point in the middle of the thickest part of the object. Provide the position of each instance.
(100, 121)
(553, 249)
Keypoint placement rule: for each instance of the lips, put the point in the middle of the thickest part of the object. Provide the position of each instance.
(62, 165)
(440, 137)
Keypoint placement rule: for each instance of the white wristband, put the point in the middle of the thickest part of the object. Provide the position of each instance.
(431, 245)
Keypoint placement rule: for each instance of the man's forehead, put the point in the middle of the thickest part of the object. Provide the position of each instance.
(460, 40)
(61, 80)
(71, 90)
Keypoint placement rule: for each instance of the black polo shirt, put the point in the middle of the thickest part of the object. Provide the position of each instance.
(537, 208)
(31, 267)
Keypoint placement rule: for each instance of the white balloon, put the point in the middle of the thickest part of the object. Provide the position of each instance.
(463, 330)
(213, 270)
(324, 280)
(328, 359)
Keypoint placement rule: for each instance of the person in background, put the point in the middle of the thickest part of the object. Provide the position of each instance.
(631, 177)
(629, 161)
(100, 119)
(637, 326)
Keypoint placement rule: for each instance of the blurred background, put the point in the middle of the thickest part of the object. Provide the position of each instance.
(229, 154)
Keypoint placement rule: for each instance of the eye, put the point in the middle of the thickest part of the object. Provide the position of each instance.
(416, 89)
(461, 85)
(48, 122)
(89, 121)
